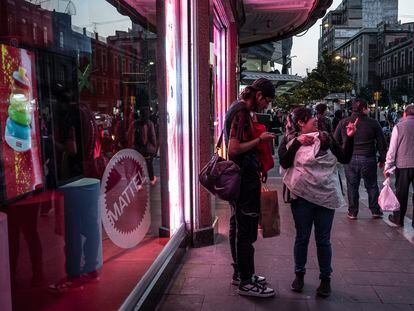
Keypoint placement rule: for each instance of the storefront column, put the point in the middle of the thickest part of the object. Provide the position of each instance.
(204, 224)
(164, 230)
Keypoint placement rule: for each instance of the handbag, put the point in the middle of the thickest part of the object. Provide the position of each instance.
(221, 177)
(269, 213)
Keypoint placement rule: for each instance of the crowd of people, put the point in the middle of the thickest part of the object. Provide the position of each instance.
(311, 146)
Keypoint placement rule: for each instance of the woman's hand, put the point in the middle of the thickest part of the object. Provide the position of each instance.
(264, 177)
(306, 140)
(266, 136)
(351, 128)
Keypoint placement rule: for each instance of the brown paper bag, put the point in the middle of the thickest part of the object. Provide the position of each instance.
(269, 213)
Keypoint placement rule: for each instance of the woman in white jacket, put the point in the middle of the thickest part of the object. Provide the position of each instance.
(309, 158)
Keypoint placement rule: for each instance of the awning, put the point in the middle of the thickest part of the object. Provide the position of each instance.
(263, 21)
(283, 82)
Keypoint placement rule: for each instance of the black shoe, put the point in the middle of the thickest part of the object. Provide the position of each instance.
(377, 214)
(298, 282)
(255, 289)
(395, 221)
(324, 290)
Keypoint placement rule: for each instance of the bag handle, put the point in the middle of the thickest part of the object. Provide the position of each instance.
(220, 141)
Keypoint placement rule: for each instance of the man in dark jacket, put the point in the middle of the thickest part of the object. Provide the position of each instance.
(368, 140)
(324, 123)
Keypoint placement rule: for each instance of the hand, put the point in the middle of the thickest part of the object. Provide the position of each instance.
(351, 128)
(266, 136)
(264, 177)
(305, 140)
(381, 165)
(386, 174)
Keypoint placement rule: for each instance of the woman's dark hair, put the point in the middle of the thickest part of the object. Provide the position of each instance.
(300, 114)
(248, 93)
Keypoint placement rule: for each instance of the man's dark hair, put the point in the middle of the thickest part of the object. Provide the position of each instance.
(321, 108)
(358, 105)
(409, 110)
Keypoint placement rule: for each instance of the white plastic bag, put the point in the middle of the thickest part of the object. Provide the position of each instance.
(387, 199)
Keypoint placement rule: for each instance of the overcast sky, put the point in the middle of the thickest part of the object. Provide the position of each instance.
(306, 48)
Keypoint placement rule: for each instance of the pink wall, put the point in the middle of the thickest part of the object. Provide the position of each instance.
(5, 291)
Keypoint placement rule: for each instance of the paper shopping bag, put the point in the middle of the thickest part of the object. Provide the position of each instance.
(269, 213)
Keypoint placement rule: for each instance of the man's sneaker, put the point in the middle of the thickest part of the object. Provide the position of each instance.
(352, 216)
(66, 285)
(255, 289)
(395, 221)
(377, 214)
(324, 289)
(298, 282)
(256, 278)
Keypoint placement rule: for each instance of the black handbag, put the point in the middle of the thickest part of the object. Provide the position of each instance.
(221, 177)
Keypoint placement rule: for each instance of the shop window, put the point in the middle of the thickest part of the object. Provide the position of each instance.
(86, 156)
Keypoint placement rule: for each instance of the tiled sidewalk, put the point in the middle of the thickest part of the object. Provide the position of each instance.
(373, 269)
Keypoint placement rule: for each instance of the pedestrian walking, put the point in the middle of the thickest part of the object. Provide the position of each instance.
(242, 149)
(338, 115)
(400, 156)
(314, 191)
(368, 141)
(324, 123)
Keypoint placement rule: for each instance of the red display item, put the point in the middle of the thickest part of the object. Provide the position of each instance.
(21, 166)
(265, 153)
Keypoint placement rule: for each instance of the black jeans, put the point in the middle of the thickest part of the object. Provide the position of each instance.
(404, 177)
(305, 215)
(244, 223)
(365, 168)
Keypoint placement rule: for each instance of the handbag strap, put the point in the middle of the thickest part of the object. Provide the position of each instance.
(220, 141)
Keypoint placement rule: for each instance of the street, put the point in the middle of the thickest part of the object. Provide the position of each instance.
(372, 262)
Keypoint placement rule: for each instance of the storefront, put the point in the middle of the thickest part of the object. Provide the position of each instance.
(93, 122)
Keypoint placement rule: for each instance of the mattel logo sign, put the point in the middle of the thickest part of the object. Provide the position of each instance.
(125, 199)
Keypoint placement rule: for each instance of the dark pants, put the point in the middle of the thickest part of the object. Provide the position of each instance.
(150, 167)
(404, 177)
(244, 223)
(365, 168)
(305, 215)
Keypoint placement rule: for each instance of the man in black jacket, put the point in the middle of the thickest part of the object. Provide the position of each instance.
(368, 140)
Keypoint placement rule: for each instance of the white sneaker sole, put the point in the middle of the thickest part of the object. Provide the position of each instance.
(253, 294)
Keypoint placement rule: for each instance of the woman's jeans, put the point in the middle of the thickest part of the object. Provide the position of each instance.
(305, 215)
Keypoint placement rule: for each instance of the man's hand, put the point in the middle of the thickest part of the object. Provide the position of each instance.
(306, 140)
(386, 174)
(381, 165)
(266, 136)
(264, 177)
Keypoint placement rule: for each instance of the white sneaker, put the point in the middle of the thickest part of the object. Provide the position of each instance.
(256, 278)
(255, 290)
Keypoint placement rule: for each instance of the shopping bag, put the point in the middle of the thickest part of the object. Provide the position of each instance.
(387, 199)
(269, 213)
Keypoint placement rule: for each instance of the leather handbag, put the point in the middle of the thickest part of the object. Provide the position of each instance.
(221, 177)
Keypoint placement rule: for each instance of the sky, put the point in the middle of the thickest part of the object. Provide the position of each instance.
(306, 47)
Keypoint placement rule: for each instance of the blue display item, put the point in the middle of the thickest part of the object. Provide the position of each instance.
(17, 136)
(82, 226)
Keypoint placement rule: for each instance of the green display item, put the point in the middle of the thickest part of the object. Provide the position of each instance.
(20, 102)
(20, 117)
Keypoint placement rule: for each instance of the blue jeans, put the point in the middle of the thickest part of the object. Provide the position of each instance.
(305, 215)
(365, 168)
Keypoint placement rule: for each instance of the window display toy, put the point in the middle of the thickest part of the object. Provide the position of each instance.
(20, 109)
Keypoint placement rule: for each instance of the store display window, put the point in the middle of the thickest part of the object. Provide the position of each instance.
(80, 167)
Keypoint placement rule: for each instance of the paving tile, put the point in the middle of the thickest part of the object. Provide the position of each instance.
(384, 307)
(207, 286)
(277, 303)
(228, 303)
(392, 294)
(196, 270)
(322, 304)
(181, 303)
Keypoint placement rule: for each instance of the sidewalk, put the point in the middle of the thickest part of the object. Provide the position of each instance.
(373, 267)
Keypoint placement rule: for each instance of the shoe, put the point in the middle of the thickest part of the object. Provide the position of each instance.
(66, 285)
(255, 290)
(256, 278)
(377, 214)
(352, 216)
(324, 290)
(153, 181)
(90, 277)
(298, 282)
(395, 221)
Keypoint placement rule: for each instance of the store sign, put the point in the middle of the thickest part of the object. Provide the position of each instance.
(125, 198)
